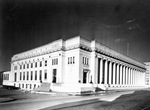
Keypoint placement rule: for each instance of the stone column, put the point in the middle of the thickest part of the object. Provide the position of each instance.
(143, 74)
(127, 75)
(96, 69)
(101, 69)
(110, 72)
(117, 74)
(130, 76)
(137, 82)
(133, 77)
(140, 78)
(114, 72)
(124, 75)
(121, 74)
(106, 66)
(143, 78)
(92, 65)
(136, 77)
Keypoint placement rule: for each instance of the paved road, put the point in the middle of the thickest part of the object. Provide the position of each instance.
(56, 102)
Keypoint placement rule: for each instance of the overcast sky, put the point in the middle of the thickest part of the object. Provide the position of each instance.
(119, 24)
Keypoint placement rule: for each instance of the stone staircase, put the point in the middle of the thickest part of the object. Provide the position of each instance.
(45, 87)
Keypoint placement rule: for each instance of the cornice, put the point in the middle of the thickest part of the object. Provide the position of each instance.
(120, 57)
(96, 47)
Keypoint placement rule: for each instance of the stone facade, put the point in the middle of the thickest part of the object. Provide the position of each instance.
(76, 65)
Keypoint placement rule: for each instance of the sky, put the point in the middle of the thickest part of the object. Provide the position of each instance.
(123, 25)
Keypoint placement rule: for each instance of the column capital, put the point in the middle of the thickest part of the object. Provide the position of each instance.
(100, 57)
(106, 59)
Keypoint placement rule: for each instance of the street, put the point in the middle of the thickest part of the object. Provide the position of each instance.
(32, 101)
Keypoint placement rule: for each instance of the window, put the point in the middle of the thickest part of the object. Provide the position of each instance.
(15, 68)
(6, 76)
(30, 86)
(40, 63)
(34, 85)
(23, 66)
(31, 75)
(40, 78)
(27, 75)
(20, 66)
(23, 75)
(15, 77)
(71, 60)
(20, 76)
(68, 60)
(85, 61)
(45, 62)
(55, 61)
(35, 64)
(35, 75)
(31, 65)
(22, 85)
(45, 74)
(27, 65)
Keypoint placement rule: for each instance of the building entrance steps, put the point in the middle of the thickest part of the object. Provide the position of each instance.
(45, 87)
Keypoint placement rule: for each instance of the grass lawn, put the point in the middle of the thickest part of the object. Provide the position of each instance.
(20, 95)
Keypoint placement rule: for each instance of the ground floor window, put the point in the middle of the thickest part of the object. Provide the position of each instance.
(45, 74)
(34, 85)
(35, 75)
(40, 77)
(30, 86)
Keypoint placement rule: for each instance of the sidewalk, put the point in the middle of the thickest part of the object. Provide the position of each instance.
(87, 99)
(55, 102)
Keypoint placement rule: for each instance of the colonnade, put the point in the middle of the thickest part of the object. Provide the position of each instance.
(119, 73)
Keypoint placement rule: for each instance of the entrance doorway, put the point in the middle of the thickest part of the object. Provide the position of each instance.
(84, 76)
(54, 75)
